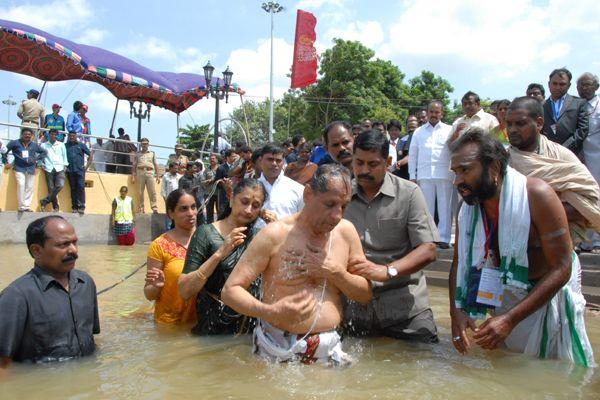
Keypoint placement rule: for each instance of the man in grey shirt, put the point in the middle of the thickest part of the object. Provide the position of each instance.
(398, 237)
(51, 312)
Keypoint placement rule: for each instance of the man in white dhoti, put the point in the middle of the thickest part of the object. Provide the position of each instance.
(514, 260)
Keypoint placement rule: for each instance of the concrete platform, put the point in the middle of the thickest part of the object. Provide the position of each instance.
(90, 228)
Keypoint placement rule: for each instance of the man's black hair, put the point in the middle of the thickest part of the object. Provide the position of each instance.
(36, 231)
(332, 125)
(537, 86)
(471, 94)
(560, 72)
(271, 148)
(296, 139)
(490, 149)
(532, 106)
(373, 140)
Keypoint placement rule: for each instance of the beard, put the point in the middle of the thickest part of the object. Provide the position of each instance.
(485, 188)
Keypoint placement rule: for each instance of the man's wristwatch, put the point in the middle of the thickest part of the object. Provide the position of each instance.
(392, 272)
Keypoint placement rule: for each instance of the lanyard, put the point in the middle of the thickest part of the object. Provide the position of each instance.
(556, 106)
(490, 230)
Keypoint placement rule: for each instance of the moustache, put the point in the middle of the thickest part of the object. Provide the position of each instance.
(70, 258)
(344, 153)
(462, 186)
(365, 176)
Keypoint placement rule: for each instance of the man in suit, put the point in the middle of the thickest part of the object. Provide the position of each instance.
(565, 116)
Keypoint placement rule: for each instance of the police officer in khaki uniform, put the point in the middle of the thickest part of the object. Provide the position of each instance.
(31, 111)
(145, 170)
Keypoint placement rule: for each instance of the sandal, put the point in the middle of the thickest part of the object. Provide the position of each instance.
(595, 250)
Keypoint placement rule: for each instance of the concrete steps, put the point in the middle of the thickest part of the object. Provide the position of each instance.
(437, 273)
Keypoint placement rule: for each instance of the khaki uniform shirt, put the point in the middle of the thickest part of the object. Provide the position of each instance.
(181, 160)
(391, 226)
(145, 161)
(30, 111)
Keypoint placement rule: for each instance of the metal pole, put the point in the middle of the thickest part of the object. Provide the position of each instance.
(177, 137)
(271, 84)
(139, 117)
(42, 90)
(112, 124)
(216, 137)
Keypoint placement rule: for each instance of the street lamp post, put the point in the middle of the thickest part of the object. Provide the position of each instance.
(9, 102)
(218, 93)
(133, 113)
(271, 8)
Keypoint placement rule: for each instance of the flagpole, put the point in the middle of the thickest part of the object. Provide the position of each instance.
(271, 8)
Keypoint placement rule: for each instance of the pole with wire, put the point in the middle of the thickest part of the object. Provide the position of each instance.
(271, 8)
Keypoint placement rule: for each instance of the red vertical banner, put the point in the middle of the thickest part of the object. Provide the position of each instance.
(304, 68)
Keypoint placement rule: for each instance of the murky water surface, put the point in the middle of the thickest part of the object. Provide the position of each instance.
(137, 359)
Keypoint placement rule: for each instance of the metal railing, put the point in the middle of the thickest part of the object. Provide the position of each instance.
(161, 161)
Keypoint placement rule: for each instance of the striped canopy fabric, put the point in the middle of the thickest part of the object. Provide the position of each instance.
(30, 51)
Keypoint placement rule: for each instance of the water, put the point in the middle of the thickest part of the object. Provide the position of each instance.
(137, 359)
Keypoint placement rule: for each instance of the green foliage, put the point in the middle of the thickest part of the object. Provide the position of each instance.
(427, 87)
(195, 136)
(352, 86)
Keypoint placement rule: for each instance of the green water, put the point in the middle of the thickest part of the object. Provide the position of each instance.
(138, 360)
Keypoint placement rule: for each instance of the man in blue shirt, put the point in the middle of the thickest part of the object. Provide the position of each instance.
(55, 121)
(74, 123)
(54, 169)
(76, 152)
(26, 154)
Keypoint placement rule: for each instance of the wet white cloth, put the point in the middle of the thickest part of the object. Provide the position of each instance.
(277, 345)
(557, 330)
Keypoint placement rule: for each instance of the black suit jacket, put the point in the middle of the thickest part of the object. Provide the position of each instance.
(572, 124)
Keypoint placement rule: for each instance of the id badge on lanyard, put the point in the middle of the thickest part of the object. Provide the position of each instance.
(491, 288)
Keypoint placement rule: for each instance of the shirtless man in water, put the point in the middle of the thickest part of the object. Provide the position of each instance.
(303, 262)
(513, 259)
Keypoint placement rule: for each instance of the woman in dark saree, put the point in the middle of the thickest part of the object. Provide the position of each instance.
(213, 252)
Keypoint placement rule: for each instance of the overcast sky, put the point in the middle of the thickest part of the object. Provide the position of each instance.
(495, 48)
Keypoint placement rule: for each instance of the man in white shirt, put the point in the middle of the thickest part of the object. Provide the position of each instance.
(170, 180)
(285, 196)
(429, 167)
(54, 168)
(474, 116)
(102, 154)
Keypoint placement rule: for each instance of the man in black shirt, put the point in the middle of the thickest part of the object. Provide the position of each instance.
(222, 175)
(51, 312)
(412, 124)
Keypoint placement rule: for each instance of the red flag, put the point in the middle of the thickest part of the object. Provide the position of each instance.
(304, 68)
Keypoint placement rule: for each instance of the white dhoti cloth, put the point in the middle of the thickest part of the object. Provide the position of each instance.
(557, 330)
(277, 345)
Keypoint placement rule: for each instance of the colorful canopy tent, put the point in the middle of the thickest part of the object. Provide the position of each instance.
(30, 51)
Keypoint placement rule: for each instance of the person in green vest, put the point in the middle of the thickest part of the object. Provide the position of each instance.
(122, 218)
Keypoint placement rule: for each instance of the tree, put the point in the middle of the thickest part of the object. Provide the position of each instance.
(427, 87)
(194, 137)
(353, 86)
